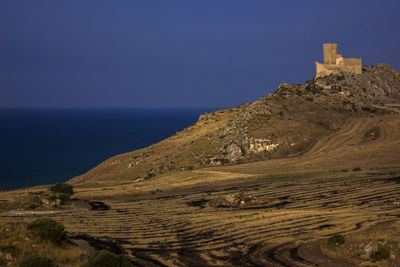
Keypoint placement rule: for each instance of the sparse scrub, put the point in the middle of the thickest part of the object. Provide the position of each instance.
(12, 250)
(48, 229)
(32, 206)
(52, 198)
(378, 243)
(157, 191)
(35, 261)
(383, 252)
(64, 198)
(22, 247)
(27, 202)
(105, 258)
(335, 241)
(356, 169)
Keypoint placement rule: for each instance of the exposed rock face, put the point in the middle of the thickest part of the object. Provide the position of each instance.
(233, 153)
(285, 123)
(375, 82)
(259, 145)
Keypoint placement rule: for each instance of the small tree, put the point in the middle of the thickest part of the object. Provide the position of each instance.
(63, 188)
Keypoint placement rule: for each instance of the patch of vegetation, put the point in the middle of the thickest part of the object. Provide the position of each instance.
(187, 222)
(150, 174)
(309, 99)
(64, 198)
(357, 169)
(105, 258)
(20, 246)
(48, 229)
(158, 190)
(382, 252)
(315, 89)
(62, 188)
(368, 109)
(335, 241)
(26, 202)
(301, 231)
(14, 251)
(60, 194)
(52, 198)
(33, 206)
(35, 261)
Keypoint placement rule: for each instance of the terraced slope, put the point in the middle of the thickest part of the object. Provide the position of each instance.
(186, 227)
(362, 142)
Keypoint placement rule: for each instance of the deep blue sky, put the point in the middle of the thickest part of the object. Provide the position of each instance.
(208, 53)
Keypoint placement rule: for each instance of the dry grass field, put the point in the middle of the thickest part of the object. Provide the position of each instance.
(267, 213)
(256, 221)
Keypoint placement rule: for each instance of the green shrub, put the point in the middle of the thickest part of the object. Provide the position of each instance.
(34, 261)
(48, 229)
(356, 169)
(62, 188)
(335, 240)
(64, 198)
(52, 198)
(105, 258)
(14, 251)
(383, 252)
(33, 206)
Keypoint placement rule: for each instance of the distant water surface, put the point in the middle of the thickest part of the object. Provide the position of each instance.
(45, 146)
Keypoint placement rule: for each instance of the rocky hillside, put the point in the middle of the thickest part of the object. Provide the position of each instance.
(286, 123)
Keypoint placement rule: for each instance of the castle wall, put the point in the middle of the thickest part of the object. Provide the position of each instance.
(323, 69)
(352, 65)
(330, 53)
(334, 63)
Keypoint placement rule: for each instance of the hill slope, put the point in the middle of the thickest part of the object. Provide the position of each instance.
(285, 124)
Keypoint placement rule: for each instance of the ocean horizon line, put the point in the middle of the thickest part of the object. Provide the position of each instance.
(107, 108)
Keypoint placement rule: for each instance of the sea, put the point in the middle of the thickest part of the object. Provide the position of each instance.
(46, 146)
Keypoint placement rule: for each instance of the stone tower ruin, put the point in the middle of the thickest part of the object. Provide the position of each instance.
(334, 63)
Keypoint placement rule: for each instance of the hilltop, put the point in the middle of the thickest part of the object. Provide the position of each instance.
(284, 124)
